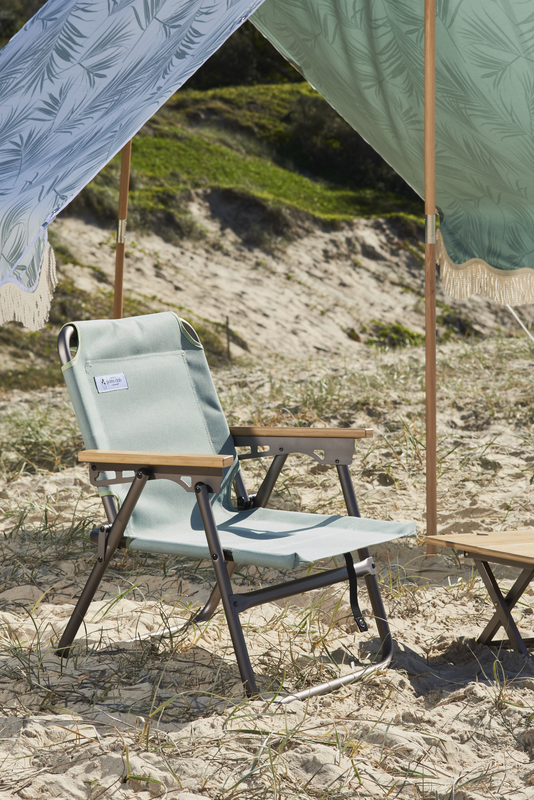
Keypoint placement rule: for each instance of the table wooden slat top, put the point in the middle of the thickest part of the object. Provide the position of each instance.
(512, 545)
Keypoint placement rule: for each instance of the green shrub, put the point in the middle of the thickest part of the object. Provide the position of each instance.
(246, 57)
(393, 335)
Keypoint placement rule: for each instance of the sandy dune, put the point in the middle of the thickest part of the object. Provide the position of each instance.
(297, 298)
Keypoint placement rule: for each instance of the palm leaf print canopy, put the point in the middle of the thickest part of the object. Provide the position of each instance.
(84, 75)
(366, 58)
(76, 83)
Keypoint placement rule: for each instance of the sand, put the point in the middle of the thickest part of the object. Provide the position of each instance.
(147, 708)
(297, 299)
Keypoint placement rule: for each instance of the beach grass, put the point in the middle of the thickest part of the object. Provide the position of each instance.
(158, 707)
(148, 704)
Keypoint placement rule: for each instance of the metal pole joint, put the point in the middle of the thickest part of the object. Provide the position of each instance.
(430, 229)
(121, 231)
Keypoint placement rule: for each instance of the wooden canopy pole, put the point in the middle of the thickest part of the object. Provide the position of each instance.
(430, 270)
(121, 230)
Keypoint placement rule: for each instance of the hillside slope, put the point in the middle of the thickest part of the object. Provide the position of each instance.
(324, 291)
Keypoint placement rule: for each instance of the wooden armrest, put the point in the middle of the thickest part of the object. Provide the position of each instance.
(305, 433)
(143, 459)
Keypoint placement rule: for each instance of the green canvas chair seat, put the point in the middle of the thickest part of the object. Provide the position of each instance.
(271, 538)
(143, 384)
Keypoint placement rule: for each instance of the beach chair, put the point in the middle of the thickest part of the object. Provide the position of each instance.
(164, 461)
(512, 549)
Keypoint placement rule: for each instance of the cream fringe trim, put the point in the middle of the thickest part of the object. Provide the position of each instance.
(30, 308)
(508, 287)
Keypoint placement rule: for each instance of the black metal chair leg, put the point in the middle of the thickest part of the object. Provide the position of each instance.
(264, 492)
(377, 606)
(113, 540)
(371, 581)
(223, 581)
(348, 491)
(379, 612)
(110, 507)
(215, 597)
(240, 489)
(231, 602)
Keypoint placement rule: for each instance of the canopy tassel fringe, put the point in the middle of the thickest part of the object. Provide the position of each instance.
(30, 308)
(508, 287)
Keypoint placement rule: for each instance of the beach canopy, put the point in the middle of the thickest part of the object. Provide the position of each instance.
(81, 78)
(366, 57)
(76, 83)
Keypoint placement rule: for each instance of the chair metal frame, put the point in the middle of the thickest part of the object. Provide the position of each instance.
(203, 475)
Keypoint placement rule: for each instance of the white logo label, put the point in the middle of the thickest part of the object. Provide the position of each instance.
(111, 383)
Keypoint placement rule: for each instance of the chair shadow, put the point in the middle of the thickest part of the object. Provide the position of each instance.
(458, 664)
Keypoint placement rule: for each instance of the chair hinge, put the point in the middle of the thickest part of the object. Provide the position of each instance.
(238, 602)
(103, 533)
(244, 505)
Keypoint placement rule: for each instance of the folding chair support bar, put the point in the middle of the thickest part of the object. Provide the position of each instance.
(242, 602)
(113, 540)
(214, 599)
(385, 639)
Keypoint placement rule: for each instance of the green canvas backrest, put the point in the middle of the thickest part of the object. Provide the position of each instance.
(166, 402)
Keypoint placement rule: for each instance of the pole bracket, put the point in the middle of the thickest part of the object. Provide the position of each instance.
(430, 229)
(121, 231)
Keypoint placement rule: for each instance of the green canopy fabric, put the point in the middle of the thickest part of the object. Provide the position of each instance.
(366, 58)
